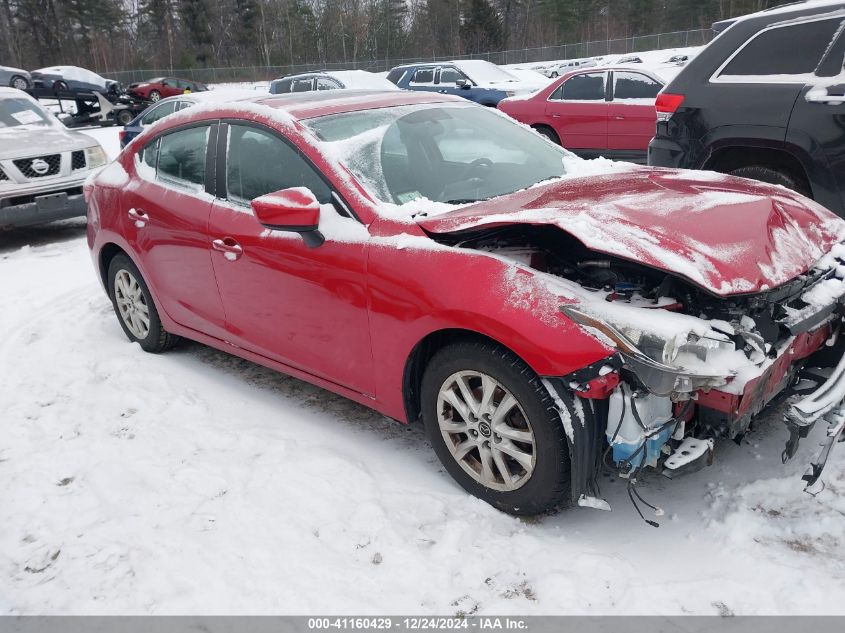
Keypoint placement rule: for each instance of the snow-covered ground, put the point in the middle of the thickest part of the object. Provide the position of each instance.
(195, 482)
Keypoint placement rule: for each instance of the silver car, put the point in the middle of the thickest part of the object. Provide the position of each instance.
(15, 77)
(42, 164)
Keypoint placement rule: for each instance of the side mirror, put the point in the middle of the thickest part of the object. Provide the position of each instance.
(295, 209)
(462, 83)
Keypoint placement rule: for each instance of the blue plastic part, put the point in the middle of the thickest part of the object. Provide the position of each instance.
(648, 456)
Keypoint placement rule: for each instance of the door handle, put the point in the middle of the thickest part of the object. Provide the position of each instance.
(817, 97)
(619, 117)
(230, 248)
(555, 116)
(139, 217)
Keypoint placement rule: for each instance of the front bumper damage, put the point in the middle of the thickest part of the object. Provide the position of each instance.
(826, 403)
(585, 400)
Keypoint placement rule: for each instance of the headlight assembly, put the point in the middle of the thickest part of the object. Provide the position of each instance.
(653, 358)
(95, 156)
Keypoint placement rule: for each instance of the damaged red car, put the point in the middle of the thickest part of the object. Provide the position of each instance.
(545, 317)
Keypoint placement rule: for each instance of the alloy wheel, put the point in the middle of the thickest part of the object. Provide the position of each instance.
(486, 430)
(19, 83)
(132, 304)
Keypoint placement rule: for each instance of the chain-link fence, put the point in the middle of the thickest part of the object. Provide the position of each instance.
(596, 48)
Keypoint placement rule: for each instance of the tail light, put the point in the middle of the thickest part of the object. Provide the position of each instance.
(667, 104)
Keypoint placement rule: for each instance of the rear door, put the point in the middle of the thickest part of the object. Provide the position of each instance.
(631, 116)
(423, 79)
(578, 110)
(304, 307)
(817, 126)
(758, 85)
(166, 220)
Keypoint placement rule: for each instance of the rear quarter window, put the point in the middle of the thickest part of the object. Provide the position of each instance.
(788, 50)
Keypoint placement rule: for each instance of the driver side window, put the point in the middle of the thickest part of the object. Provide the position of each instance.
(259, 162)
(450, 76)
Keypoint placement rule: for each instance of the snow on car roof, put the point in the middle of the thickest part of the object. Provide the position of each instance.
(361, 79)
(793, 6)
(482, 70)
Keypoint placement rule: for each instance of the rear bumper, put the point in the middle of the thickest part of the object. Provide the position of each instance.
(45, 208)
(663, 152)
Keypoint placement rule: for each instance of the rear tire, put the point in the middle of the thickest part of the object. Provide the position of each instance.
(18, 82)
(60, 86)
(522, 477)
(548, 132)
(134, 307)
(772, 176)
(124, 117)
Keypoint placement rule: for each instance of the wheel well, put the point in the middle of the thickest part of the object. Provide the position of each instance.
(543, 126)
(107, 253)
(422, 354)
(730, 158)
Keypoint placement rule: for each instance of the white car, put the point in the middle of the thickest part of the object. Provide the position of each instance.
(42, 164)
(330, 80)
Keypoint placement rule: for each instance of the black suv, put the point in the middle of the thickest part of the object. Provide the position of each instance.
(765, 100)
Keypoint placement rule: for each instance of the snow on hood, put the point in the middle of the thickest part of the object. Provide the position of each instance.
(23, 141)
(727, 235)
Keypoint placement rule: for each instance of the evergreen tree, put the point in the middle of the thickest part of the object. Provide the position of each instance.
(482, 28)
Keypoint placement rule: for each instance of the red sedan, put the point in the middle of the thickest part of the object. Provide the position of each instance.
(161, 87)
(434, 260)
(595, 112)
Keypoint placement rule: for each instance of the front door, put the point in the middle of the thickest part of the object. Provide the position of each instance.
(304, 307)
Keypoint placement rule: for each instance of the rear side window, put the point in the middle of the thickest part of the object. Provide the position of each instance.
(634, 86)
(159, 112)
(787, 50)
(423, 76)
(181, 157)
(302, 85)
(146, 159)
(259, 163)
(586, 87)
(280, 87)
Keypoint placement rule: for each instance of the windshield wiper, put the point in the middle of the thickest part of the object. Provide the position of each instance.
(464, 200)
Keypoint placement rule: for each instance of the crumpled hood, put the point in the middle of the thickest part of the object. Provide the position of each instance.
(23, 141)
(727, 235)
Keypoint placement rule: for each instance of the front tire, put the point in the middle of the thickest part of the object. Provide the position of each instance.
(155, 96)
(495, 428)
(59, 87)
(134, 307)
(18, 82)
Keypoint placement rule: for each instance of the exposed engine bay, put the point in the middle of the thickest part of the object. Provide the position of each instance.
(691, 366)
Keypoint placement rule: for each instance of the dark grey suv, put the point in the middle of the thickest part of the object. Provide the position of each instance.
(765, 100)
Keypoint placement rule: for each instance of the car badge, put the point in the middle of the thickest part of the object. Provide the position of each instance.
(40, 166)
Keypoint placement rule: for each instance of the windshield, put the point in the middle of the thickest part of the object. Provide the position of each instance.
(482, 71)
(445, 153)
(17, 111)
